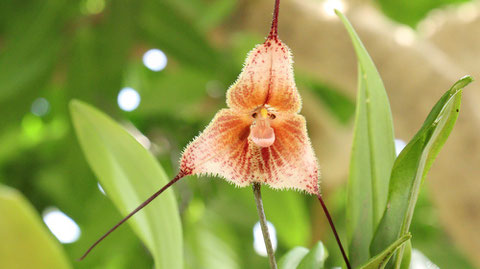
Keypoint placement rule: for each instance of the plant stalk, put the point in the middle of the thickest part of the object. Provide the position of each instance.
(330, 221)
(263, 224)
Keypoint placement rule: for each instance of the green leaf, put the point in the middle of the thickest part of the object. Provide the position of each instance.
(315, 258)
(412, 12)
(373, 154)
(303, 258)
(407, 257)
(25, 241)
(129, 174)
(412, 165)
(380, 260)
(292, 259)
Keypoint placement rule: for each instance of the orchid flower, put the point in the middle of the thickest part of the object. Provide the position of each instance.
(260, 138)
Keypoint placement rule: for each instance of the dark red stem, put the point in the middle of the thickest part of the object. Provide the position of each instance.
(150, 199)
(327, 214)
(274, 29)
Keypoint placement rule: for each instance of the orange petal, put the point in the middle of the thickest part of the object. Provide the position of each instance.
(222, 149)
(267, 78)
(290, 162)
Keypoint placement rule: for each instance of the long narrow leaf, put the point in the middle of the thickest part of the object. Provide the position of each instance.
(373, 154)
(412, 165)
(129, 174)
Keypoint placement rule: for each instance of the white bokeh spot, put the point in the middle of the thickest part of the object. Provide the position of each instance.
(128, 99)
(259, 243)
(420, 261)
(61, 225)
(404, 35)
(329, 6)
(100, 188)
(399, 145)
(155, 60)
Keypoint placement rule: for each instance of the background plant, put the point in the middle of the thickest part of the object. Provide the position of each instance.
(89, 53)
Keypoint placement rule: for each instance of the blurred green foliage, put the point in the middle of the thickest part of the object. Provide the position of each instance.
(22, 229)
(88, 50)
(412, 12)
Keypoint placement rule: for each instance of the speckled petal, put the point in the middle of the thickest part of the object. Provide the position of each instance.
(225, 149)
(222, 149)
(266, 79)
(290, 162)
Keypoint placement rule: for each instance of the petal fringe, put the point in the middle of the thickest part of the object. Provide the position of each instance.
(224, 149)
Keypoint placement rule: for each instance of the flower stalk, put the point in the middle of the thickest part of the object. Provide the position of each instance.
(263, 224)
(337, 238)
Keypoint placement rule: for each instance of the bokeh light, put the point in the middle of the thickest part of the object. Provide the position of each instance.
(100, 188)
(61, 225)
(329, 6)
(40, 107)
(128, 99)
(259, 243)
(155, 60)
(399, 145)
(420, 261)
(404, 35)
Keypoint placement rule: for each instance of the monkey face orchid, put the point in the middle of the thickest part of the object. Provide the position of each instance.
(260, 137)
